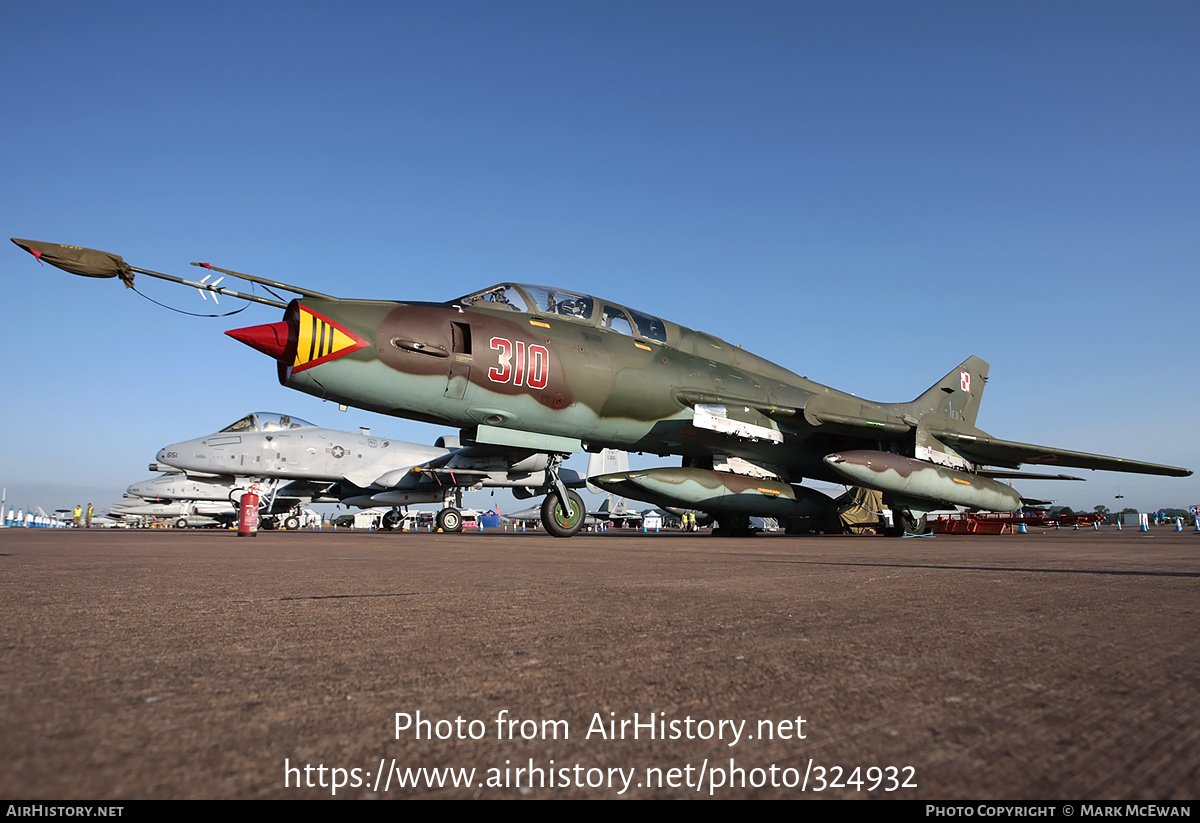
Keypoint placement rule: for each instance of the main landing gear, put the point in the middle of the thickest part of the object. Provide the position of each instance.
(449, 520)
(733, 525)
(911, 523)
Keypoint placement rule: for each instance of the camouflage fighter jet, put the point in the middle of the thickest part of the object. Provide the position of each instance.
(555, 370)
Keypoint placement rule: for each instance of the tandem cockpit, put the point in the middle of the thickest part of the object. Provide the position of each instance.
(266, 422)
(571, 305)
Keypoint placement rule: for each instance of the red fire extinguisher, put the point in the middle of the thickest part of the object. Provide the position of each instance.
(248, 514)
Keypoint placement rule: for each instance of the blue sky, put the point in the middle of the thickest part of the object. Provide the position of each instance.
(864, 192)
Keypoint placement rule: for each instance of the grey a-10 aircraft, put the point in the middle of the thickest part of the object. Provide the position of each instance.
(184, 514)
(207, 500)
(555, 370)
(362, 470)
(179, 499)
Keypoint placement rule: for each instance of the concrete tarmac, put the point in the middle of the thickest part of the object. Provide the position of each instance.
(193, 664)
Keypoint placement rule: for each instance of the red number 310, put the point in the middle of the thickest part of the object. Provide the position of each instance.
(530, 367)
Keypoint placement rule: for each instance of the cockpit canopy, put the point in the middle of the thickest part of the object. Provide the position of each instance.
(569, 304)
(265, 422)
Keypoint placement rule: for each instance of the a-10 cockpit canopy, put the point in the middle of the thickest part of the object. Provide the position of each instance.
(571, 305)
(266, 422)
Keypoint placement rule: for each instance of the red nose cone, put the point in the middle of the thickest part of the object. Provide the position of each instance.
(270, 339)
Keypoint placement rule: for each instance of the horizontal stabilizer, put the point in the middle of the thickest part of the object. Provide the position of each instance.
(1025, 475)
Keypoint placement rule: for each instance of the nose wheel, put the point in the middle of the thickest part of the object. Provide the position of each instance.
(392, 520)
(560, 520)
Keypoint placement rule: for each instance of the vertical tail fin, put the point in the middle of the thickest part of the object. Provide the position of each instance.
(957, 395)
(614, 505)
(606, 461)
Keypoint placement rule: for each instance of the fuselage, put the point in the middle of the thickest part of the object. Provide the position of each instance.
(530, 358)
(299, 453)
(178, 486)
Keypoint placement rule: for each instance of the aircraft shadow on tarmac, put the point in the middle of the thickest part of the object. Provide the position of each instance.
(1023, 569)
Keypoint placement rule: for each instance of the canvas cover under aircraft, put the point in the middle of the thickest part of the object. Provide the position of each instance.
(556, 370)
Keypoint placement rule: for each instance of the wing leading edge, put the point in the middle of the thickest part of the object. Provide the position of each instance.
(995, 452)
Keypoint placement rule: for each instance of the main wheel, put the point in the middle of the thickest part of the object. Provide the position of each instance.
(449, 520)
(563, 522)
(733, 525)
(392, 520)
(911, 524)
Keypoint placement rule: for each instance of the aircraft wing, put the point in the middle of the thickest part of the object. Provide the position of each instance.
(993, 451)
(396, 477)
(450, 476)
(470, 465)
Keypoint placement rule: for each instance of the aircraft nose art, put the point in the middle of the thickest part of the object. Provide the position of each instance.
(303, 339)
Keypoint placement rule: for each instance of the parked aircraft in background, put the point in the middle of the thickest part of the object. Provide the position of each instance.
(282, 502)
(361, 470)
(554, 370)
(182, 513)
(615, 511)
(615, 514)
